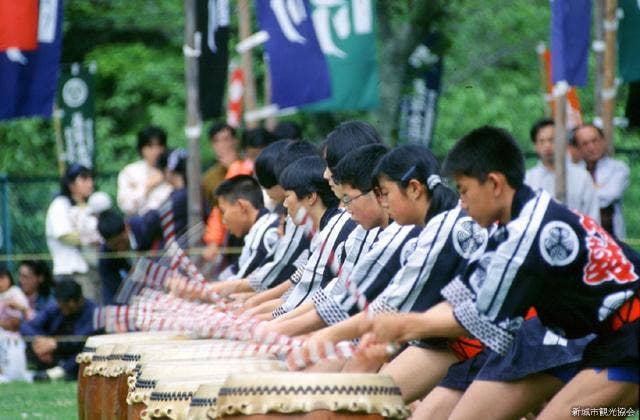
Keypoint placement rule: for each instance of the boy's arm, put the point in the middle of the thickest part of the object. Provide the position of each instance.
(302, 324)
(270, 294)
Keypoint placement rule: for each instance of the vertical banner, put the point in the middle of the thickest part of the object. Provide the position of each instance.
(573, 111)
(234, 98)
(418, 106)
(76, 102)
(29, 69)
(570, 40)
(346, 30)
(629, 41)
(213, 25)
(299, 71)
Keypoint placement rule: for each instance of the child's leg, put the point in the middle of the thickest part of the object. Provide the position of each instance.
(438, 404)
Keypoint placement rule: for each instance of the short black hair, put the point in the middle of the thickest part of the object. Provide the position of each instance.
(150, 133)
(110, 224)
(346, 137)
(288, 130)
(267, 161)
(218, 127)
(74, 171)
(537, 126)
(292, 152)
(306, 176)
(4, 272)
(256, 137)
(484, 150)
(572, 135)
(41, 268)
(414, 161)
(67, 290)
(241, 186)
(356, 167)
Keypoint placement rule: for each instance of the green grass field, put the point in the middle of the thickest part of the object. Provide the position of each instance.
(21, 400)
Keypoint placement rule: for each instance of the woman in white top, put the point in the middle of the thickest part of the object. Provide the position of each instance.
(141, 186)
(65, 235)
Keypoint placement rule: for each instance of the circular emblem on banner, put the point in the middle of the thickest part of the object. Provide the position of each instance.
(75, 92)
(270, 238)
(558, 244)
(469, 239)
(408, 249)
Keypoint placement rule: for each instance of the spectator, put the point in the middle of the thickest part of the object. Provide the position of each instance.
(117, 238)
(141, 186)
(63, 229)
(224, 143)
(287, 130)
(70, 315)
(581, 194)
(610, 176)
(36, 283)
(14, 305)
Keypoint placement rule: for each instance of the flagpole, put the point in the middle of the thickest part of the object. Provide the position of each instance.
(271, 122)
(244, 22)
(598, 47)
(193, 129)
(609, 87)
(57, 129)
(560, 138)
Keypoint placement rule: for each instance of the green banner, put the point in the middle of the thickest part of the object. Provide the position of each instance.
(346, 32)
(629, 41)
(76, 110)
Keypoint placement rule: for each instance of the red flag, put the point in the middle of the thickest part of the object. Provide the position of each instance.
(18, 24)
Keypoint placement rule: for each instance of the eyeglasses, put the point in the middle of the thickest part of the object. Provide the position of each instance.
(346, 200)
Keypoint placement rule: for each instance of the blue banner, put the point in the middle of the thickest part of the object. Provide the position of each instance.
(299, 70)
(570, 40)
(28, 79)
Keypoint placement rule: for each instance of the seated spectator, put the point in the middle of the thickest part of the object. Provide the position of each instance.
(36, 283)
(224, 143)
(70, 315)
(581, 194)
(117, 238)
(287, 130)
(244, 214)
(63, 229)
(141, 186)
(14, 305)
(610, 176)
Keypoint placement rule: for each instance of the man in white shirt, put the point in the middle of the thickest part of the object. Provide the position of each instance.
(141, 186)
(610, 176)
(581, 194)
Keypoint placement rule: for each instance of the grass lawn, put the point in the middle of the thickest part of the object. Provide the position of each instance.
(56, 400)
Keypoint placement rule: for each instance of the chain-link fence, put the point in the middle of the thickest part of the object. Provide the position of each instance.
(24, 202)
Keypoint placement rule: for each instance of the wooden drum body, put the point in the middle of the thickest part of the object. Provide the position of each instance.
(310, 396)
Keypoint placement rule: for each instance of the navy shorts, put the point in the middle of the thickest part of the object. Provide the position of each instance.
(616, 351)
(461, 374)
(535, 350)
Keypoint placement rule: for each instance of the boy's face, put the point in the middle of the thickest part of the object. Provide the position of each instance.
(234, 216)
(336, 188)
(294, 207)
(276, 193)
(478, 199)
(364, 208)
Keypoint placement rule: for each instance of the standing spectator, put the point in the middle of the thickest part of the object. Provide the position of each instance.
(224, 143)
(36, 283)
(70, 314)
(610, 176)
(581, 194)
(63, 232)
(141, 186)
